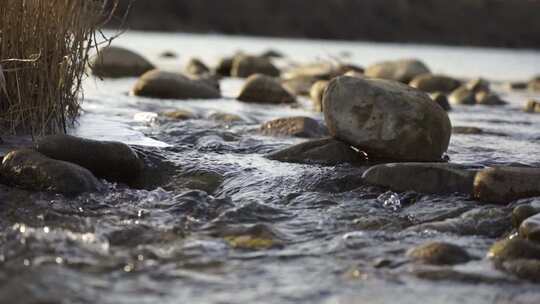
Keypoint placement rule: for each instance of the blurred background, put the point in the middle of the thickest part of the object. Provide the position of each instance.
(499, 23)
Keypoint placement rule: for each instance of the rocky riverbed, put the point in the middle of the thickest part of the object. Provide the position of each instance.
(237, 188)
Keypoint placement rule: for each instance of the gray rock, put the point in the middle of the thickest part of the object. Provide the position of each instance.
(505, 184)
(113, 161)
(168, 85)
(115, 62)
(439, 253)
(514, 249)
(386, 119)
(532, 106)
(400, 70)
(245, 66)
(327, 151)
(428, 178)
(298, 126)
(196, 67)
(264, 89)
(441, 100)
(32, 170)
(530, 228)
(316, 94)
(431, 83)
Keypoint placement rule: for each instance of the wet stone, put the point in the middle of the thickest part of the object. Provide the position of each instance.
(245, 66)
(180, 115)
(115, 62)
(386, 119)
(437, 178)
(316, 94)
(400, 70)
(196, 67)
(327, 151)
(32, 170)
(264, 89)
(514, 249)
(521, 213)
(169, 85)
(505, 184)
(113, 161)
(525, 269)
(298, 126)
(462, 96)
(489, 99)
(225, 117)
(300, 85)
(530, 228)
(441, 100)
(439, 253)
(532, 106)
(431, 83)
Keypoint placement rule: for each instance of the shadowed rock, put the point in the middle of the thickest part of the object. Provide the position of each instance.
(530, 228)
(435, 83)
(168, 85)
(439, 253)
(400, 70)
(441, 100)
(196, 67)
(34, 171)
(298, 126)
(505, 184)
(245, 66)
(432, 178)
(316, 94)
(327, 151)
(113, 161)
(264, 89)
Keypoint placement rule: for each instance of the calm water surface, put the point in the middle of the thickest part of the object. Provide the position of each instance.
(332, 239)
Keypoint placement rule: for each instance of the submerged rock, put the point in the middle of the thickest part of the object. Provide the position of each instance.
(34, 171)
(113, 161)
(298, 126)
(532, 106)
(505, 184)
(431, 178)
(245, 66)
(115, 62)
(168, 85)
(431, 83)
(316, 94)
(525, 269)
(514, 249)
(441, 100)
(196, 67)
(225, 117)
(180, 115)
(264, 89)
(439, 253)
(386, 119)
(400, 70)
(530, 228)
(327, 151)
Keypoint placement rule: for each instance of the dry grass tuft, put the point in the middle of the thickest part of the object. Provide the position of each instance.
(44, 50)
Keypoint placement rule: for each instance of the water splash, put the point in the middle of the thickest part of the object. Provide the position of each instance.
(390, 201)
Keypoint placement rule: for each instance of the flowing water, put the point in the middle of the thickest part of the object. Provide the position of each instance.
(222, 224)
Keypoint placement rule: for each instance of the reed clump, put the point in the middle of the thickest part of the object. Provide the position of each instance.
(44, 51)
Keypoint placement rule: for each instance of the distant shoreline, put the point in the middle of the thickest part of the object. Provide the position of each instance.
(484, 23)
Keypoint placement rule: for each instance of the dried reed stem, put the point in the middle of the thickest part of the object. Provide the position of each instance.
(44, 50)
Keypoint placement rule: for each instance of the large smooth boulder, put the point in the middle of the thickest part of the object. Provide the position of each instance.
(435, 83)
(113, 161)
(317, 92)
(432, 178)
(530, 228)
(168, 85)
(34, 171)
(298, 126)
(439, 253)
(115, 62)
(245, 66)
(400, 70)
(196, 67)
(264, 89)
(505, 184)
(327, 151)
(386, 119)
